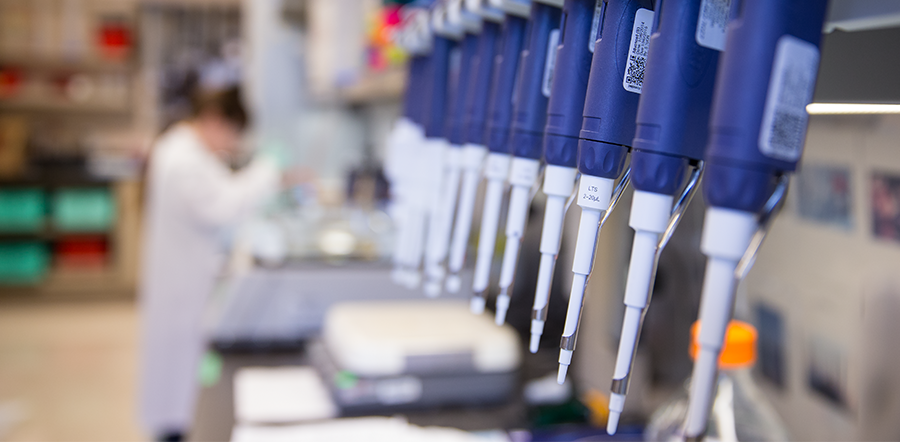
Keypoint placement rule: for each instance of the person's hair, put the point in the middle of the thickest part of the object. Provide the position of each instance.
(226, 103)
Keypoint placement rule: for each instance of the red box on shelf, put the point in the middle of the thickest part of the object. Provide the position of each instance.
(82, 252)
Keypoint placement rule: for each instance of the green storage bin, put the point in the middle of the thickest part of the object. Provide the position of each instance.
(83, 210)
(22, 210)
(23, 262)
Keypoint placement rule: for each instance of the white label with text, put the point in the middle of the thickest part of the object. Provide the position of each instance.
(637, 52)
(711, 24)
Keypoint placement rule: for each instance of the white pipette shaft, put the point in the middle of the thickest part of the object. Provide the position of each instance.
(649, 218)
(522, 175)
(515, 227)
(726, 236)
(439, 239)
(472, 159)
(585, 245)
(495, 172)
(559, 182)
(413, 253)
(400, 165)
(594, 195)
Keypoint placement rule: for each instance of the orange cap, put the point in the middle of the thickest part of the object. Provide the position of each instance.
(740, 345)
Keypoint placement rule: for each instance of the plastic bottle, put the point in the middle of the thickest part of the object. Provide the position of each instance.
(740, 412)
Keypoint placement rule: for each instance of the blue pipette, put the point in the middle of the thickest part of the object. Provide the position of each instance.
(526, 139)
(564, 114)
(606, 135)
(497, 163)
(757, 130)
(669, 140)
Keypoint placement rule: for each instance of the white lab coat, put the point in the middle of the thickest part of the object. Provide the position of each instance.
(192, 196)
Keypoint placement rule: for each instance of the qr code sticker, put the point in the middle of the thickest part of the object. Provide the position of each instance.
(637, 52)
(788, 130)
(791, 85)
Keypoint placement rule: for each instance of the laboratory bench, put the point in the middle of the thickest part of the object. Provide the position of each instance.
(273, 317)
(214, 416)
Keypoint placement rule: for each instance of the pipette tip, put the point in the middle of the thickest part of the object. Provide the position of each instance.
(613, 423)
(561, 375)
(454, 283)
(535, 343)
(432, 289)
(477, 304)
(411, 279)
(502, 307)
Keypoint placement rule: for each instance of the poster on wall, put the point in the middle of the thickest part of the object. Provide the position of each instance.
(886, 205)
(770, 348)
(824, 195)
(826, 373)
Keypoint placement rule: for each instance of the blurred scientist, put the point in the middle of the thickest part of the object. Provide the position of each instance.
(192, 196)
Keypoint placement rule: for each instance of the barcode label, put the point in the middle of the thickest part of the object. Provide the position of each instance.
(550, 62)
(711, 23)
(637, 52)
(791, 87)
(596, 24)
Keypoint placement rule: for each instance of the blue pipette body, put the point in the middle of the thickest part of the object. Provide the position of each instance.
(569, 84)
(739, 175)
(412, 99)
(533, 82)
(459, 85)
(673, 114)
(477, 102)
(609, 108)
(436, 91)
(506, 65)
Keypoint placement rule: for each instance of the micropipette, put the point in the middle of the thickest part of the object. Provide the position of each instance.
(497, 164)
(464, 25)
(529, 118)
(564, 114)
(430, 167)
(407, 134)
(757, 129)
(670, 137)
(406, 140)
(474, 150)
(607, 130)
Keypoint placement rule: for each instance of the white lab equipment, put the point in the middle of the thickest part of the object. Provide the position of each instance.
(420, 353)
